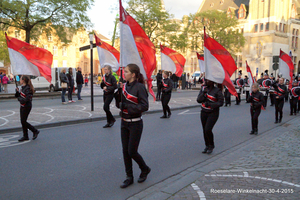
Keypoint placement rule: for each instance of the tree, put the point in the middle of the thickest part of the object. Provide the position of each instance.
(38, 16)
(3, 49)
(153, 18)
(219, 26)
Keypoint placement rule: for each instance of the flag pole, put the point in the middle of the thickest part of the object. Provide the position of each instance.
(121, 51)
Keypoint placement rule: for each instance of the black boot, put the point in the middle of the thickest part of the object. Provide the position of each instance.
(127, 182)
(35, 134)
(164, 116)
(252, 132)
(210, 149)
(205, 150)
(23, 139)
(106, 125)
(169, 115)
(255, 132)
(280, 120)
(144, 175)
(276, 121)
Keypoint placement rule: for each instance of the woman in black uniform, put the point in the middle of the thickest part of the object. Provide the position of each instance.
(25, 97)
(167, 85)
(211, 99)
(280, 93)
(227, 97)
(256, 99)
(133, 102)
(294, 98)
(108, 84)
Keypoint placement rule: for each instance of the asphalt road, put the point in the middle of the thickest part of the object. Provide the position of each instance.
(85, 161)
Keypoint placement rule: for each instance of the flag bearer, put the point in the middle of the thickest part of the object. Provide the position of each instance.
(167, 85)
(280, 92)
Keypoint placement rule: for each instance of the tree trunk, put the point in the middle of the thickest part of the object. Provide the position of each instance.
(27, 36)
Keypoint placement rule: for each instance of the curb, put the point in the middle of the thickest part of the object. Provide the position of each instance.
(173, 184)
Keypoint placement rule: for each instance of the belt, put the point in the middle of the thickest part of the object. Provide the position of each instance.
(132, 120)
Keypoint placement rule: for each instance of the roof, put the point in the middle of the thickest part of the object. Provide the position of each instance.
(218, 5)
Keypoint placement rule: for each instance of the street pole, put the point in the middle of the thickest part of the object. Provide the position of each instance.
(115, 29)
(92, 72)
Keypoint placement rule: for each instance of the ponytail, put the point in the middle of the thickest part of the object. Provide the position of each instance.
(140, 78)
(134, 69)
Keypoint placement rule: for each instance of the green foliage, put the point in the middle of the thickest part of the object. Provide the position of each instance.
(3, 49)
(38, 16)
(219, 26)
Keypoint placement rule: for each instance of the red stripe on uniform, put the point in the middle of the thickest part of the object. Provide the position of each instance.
(165, 85)
(203, 106)
(106, 83)
(256, 99)
(212, 98)
(129, 97)
(23, 95)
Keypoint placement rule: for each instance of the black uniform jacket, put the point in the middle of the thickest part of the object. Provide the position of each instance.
(211, 100)
(167, 86)
(280, 90)
(24, 96)
(135, 100)
(110, 82)
(239, 82)
(295, 92)
(256, 99)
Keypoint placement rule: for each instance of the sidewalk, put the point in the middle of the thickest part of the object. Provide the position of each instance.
(265, 167)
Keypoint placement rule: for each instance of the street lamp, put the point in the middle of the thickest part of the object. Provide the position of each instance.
(91, 35)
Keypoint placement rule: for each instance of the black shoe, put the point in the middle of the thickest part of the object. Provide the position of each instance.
(144, 175)
(106, 125)
(255, 132)
(127, 182)
(164, 116)
(209, 151)
(169, 115)
(276, 121)
(23, 139)
(112, 123)
(205, 150)
(291, 114)
(35, 135)
(252, 132)
(225, 105)
(279, 121)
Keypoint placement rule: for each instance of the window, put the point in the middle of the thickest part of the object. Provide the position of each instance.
(295, 39)
(17, 34)
(280, 27)
(65, 64)
(222, 2)
(283, 28)
(256, 28)
(212, 5)
(55, 63)
(267, 26)
(45, 47)
(54, 50)
(261, 27)
(50, 38)
(64, 51)
(241, 15)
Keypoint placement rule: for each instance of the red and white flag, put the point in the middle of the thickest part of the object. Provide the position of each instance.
(201, 62)
(172, 61)
(27, 59)
(219, 65)
(251, 79)
(136, 47)
(108, 55)
(286, 67)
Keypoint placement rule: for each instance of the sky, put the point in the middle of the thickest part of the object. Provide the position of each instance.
(102, 14)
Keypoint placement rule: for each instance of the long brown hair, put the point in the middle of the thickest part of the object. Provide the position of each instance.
(27, 81)
(134, 69)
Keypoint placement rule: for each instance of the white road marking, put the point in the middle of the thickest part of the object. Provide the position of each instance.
(186, 113)
(183, 112)
(5, 121)
(199, 192)
(246, 175)
(9, 141)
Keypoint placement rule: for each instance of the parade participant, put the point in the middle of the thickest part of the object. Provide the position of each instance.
(265, 87)
(159, 85)
(280, 92)
(271, 91)
(256, 99)
(287, 83)
(294, 98)
(108, 84)
(239, 84)
(247, 88)
(260, 80)
(227, 96)
(202, 79)
(132, 99)
(25, 98)
(167, 85)
(211, 99)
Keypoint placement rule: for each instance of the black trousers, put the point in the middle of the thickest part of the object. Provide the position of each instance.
(293, 105)
(254, 117)
(278, 108)
(24, 113)
(158, 95)
(131, 133)
(70, 91)
(272, 98)
(247, 95)
(208, 121)
(165, 98)
(107, 99)
(298, 104)
(265, 101)
(238, 99)
(227, 98)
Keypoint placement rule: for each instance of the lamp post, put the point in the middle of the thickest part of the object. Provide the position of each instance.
(92, 71)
